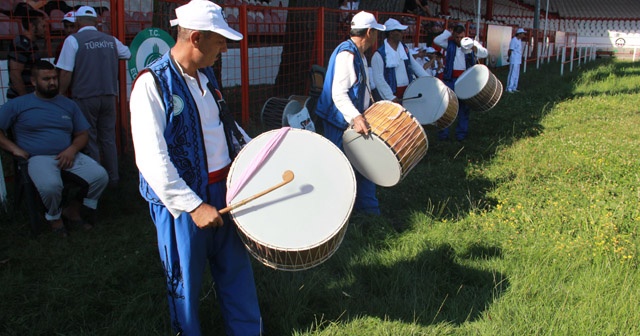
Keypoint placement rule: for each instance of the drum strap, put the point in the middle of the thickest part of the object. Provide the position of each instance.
(228, 122)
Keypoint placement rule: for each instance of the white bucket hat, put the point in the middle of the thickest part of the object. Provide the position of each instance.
(364, 20)
(204, 15)
(393, 24)
(520, 31)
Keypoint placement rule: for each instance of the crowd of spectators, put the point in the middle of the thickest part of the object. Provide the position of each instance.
(48, 103)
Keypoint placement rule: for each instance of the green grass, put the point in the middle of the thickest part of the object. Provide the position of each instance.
(529, 227)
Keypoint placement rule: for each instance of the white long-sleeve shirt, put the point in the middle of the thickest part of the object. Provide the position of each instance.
(377, 65)
(148, 123)
(516, 51)
(343, 79)
(458, 63)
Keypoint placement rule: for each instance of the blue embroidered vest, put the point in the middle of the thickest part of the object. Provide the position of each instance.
(326, 109)
(183, 134)
(390, 73)
(469, 60)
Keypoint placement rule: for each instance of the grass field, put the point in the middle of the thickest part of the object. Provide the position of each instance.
(528, 227)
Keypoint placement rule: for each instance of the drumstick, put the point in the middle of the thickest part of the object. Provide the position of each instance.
(287, 177)
(416, 97)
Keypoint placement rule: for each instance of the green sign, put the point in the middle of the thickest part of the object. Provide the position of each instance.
(148, 45)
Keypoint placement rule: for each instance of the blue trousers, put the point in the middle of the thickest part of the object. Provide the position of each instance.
(462, 129)
(184, 251)
(366, 200)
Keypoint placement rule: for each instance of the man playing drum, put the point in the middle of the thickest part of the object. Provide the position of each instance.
(461, 53)
(184, 145)
(393, 67)
(346, 95)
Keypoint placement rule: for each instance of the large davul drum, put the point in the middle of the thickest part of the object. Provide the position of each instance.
(394, 146)
(479, 88)
(301, 224)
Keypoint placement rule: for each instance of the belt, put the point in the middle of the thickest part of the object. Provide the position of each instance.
(219, 175)
(457, 73)
(400, 91)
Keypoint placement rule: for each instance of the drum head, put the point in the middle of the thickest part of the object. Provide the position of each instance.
(432, 102)
(472, 81)
(372, 158)
(304, 213)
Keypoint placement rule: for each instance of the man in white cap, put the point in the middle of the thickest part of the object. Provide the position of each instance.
(393, 69)
(69, 27)
(514, 57)
(461, 53)
(184, 136)
(431, 62)
(418, 54)
(346, 95)
(89, 67)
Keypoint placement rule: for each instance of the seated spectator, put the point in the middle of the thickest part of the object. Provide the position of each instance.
(23, 53)
(433, 28)
(45, 6)
(49, 131)
(417, 7)
(347, 5)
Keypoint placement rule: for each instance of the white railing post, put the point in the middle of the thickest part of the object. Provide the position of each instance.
(538, 57)
(564, 56)
(635, 49)
(573, 50)
(526, 55)
(579, 55)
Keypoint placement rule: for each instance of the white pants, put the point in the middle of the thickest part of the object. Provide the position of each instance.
(514, 75)
(45, 174)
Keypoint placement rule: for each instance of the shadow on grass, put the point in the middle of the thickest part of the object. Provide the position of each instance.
(431, 287)
(441, 185)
